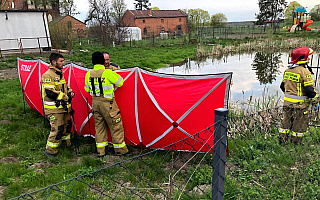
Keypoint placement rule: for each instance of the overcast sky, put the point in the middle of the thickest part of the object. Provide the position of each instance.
(234, 10)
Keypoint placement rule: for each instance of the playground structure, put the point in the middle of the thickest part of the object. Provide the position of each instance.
(301, 20)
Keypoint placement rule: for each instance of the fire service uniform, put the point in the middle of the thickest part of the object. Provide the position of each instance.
(100, 83)
(57, 107)
(298, 86)
(113, 66)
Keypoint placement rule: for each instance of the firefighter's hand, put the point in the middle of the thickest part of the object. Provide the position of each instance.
(57, 103)
(63, 103)
(71, 94)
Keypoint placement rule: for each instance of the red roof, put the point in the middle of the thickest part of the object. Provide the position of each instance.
(157, 13)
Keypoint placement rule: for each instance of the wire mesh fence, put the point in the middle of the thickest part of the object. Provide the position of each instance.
(155, 174)
(254, 166)
(260, 166)
(200, 34)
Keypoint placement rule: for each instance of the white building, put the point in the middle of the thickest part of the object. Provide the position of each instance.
(27, 29)
(129, 33)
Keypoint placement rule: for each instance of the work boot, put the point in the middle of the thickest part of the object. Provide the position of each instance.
(49, 155)
(109, 149)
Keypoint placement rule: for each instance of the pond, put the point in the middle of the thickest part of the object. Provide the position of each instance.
(254, 74)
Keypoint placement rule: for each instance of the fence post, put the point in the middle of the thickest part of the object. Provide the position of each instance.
(219, 154)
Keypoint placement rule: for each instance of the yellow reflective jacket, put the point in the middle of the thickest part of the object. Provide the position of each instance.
(100, 82)
(295, 80)
(54, 87)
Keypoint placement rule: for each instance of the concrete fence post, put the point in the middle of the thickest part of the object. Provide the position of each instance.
(219, 154)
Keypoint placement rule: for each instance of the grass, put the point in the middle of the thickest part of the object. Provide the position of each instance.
(259, 168)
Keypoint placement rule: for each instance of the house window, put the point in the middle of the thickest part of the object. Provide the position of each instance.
(180, 20)
(162, 20)
(145, 31)
(69, 24)
(143, 21)
(162, 29)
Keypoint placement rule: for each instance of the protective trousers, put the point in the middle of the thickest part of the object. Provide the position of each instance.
(107, 114)
(295, 122)
(60, 130)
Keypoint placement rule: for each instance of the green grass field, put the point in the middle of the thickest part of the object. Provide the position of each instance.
(23, 135)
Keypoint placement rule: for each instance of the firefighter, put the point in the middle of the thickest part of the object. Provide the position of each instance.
(298, 86)
(57, 97)
(100, 83)
(107, 63)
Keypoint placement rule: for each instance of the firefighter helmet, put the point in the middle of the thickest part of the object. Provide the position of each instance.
(300, 55)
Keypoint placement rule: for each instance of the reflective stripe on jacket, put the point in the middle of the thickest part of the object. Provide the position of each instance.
(53, 81)
(295, 80)
(104, 81)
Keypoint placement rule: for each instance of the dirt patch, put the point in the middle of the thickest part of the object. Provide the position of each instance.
(2, 188)
(40, 165)
(9, 159)
(5, 121)
(9, 73)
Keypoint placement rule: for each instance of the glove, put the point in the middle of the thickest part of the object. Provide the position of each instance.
(70, 95)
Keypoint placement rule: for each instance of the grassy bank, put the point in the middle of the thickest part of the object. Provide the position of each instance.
(24, 168)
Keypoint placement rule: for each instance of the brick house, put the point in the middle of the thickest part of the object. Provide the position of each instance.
(51, 8)
(78, 28)
(154, 22)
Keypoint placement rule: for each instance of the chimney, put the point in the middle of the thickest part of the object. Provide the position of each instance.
(150, 12)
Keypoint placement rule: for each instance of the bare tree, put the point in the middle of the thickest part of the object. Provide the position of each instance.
(100, 21)
(67, 7)
(142, 4)
(118, 9)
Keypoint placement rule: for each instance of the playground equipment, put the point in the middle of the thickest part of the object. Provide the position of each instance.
(301, 20)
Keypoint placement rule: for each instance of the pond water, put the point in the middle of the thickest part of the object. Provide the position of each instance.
(254, 74)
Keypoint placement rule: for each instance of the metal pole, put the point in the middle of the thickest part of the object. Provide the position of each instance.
(219, 157)
(317, 70)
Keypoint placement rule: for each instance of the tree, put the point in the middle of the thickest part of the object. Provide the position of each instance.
(197, 17)
(104, 19)
(270, 10)
(288, 14)
(155, 8)
(67, 7)
(315, 13)
(118, 8)
(218, 20)
(142, 4)
(99, 21)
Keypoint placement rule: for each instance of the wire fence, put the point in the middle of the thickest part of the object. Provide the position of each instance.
(259, 166)
(253, 165)
(201, 34)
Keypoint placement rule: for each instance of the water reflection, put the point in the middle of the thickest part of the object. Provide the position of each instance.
(266, 66)
(252, 73)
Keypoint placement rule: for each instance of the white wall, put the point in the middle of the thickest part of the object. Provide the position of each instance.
(130, 33)
(16, 25)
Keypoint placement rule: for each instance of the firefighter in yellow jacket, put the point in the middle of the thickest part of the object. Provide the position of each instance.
(298, 86)
(100, 83)
(57, 97)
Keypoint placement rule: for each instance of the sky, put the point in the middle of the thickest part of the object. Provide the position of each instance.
(234, 10)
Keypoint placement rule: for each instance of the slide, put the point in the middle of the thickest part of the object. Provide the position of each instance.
(308, 22)
(293, 28)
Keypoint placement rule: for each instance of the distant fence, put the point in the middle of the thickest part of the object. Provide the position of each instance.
(231, 32)
(203, 34)
(20, 45)
(253, 165)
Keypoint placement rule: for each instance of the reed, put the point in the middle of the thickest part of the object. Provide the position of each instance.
(258, 45)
